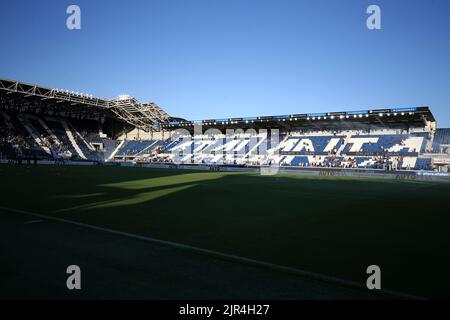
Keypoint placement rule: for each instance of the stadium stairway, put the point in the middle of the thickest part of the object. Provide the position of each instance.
(33, 133)
(84, 145)
(72, 140)
(132, 148)
(57, 127)
(56, 135)
(152, 145)
(113, 154)
(16, 127)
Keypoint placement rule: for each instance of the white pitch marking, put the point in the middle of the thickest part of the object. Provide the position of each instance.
(33, 221)
(226, 256)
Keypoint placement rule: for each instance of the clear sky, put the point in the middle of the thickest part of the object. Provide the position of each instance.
(203, 59)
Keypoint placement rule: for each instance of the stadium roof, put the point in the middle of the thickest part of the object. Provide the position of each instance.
(149, 116)
(363, 119)
(142, 115)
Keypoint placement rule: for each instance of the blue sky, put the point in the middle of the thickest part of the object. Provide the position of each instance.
(203, 59)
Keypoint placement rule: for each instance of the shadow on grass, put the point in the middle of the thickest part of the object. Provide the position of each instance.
(336, 226)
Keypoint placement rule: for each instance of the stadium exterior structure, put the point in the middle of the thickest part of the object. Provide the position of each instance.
(78, 126)
(142, 115)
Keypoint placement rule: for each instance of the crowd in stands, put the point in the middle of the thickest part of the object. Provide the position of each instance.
(44, 140)
(11, 143)
(332, 161)
(375, 149)
(57, 147)
(386, 149)
(155, 159)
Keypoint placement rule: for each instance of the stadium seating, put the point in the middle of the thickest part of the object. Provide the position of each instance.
(350, 150)
(385, 144)
(32, 136)
(312, 145)
(135, 147)
(220, 149)
(354, 150)
(49, 137)
(20, 140)
(441, 137)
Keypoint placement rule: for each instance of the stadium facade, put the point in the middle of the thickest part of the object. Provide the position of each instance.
(51, 124)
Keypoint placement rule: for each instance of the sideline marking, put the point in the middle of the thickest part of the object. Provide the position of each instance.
(225, 256)
(33, 221)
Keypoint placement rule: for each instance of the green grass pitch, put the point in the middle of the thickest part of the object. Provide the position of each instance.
(330, 225)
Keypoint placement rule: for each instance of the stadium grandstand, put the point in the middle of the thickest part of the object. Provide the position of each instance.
(44, 124)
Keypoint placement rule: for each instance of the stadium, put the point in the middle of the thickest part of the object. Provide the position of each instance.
(42, 124)
(224, 159)
(274, 206)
